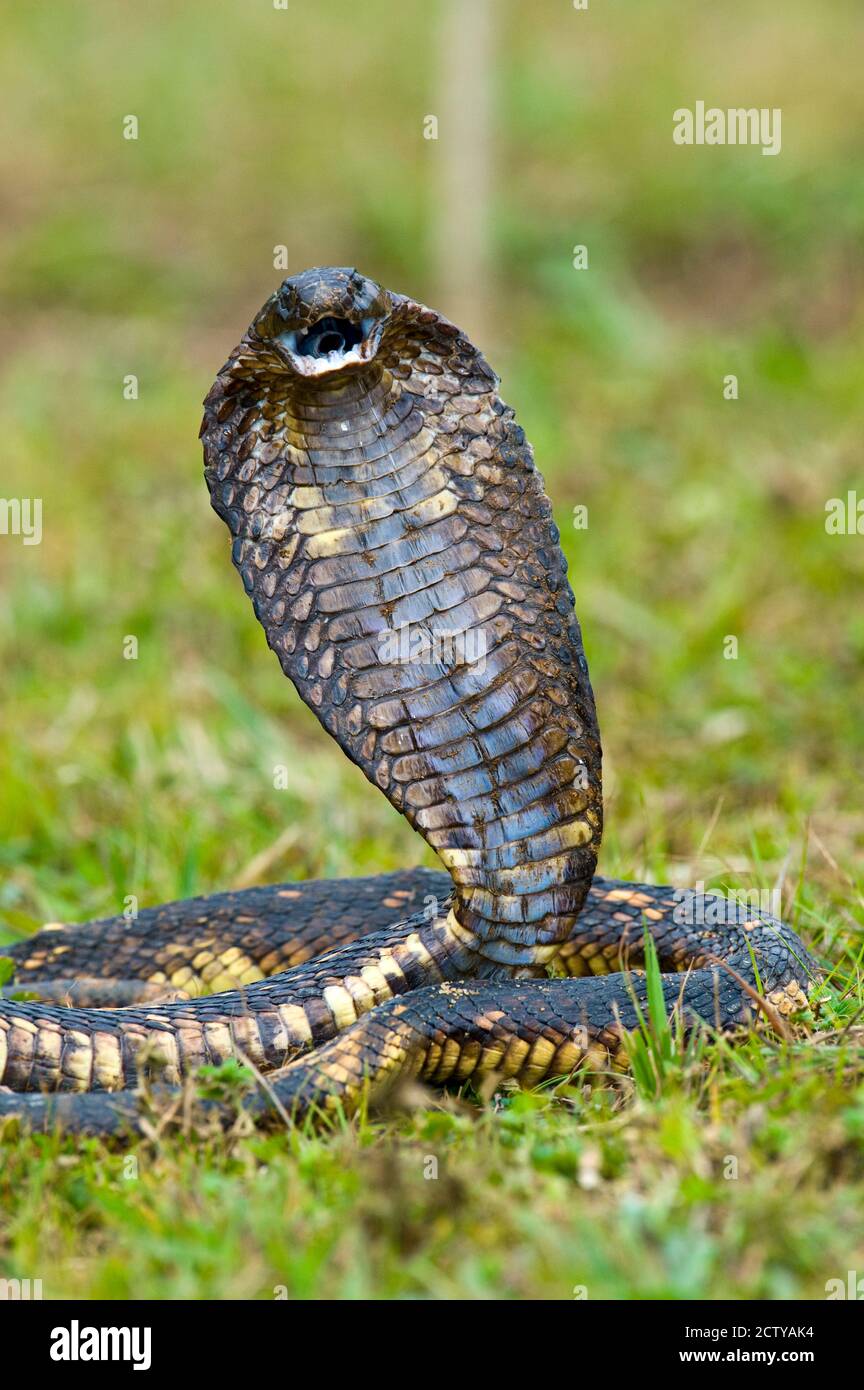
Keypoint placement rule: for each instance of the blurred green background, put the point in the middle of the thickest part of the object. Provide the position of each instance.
(303, 127)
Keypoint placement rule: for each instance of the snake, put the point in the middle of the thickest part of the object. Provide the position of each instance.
(395, 539)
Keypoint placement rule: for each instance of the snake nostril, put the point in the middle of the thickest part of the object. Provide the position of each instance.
(329, 335)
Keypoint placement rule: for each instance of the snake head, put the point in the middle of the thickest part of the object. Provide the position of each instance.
(324, 321)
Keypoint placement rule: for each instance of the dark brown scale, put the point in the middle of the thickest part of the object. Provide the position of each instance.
(227, 939)
(399, 551)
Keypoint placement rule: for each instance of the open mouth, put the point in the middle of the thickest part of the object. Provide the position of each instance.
(330, 344)
(327, 336)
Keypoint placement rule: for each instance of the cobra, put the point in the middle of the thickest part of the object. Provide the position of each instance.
(374, 483)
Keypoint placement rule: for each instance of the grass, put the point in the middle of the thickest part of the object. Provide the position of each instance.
(713, 1172)
(740, 1178)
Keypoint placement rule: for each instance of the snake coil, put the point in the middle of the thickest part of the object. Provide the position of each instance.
(394, 537)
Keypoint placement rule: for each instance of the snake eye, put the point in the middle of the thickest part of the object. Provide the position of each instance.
(328, 335)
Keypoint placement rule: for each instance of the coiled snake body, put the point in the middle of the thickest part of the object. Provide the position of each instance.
(399, 551)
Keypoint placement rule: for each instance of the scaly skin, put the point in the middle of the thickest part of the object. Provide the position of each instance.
(395, 539)
(202, 945)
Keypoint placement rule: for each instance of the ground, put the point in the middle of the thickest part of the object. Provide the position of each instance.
(723, 1172)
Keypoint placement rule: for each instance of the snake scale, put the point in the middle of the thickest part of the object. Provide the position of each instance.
(396, 542)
